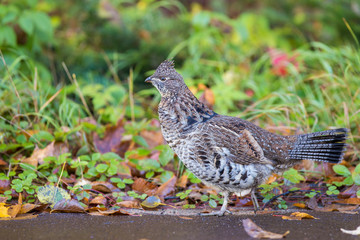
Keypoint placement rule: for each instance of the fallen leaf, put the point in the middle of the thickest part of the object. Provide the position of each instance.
(4, 211)
(129, 204)
(143, 186)
(110, 212)
(50, 195)
(299, 205)
(21, 217)
(256, 232)
(3, 199)
(167, 188)
(99, 200)
(15, 209)
(298, 216)
(355, 201)
(65, 205)
(112, 140)
(153, 138)
(38, 155)
(151, 202)
(182, 181)
(187, 218)
(4, 185)
(27, 207)
(104, 187)
(352, 232)
(3, 163)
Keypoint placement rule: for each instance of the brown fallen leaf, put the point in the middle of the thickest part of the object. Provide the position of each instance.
(351, 232)
(4, 185)
(110, 212)
(22, 217)
(129, 204)
(112, 140)
(104, 187)
(38, 155)
(143, 186)
(256, 232)
(65, 205)
(186, 218)
(99, 200)
(3, 199)
(354, 201)
(182, 181)
(167, 187)
(15, 209)
(298, 216)
(153, 138)
(27, 207)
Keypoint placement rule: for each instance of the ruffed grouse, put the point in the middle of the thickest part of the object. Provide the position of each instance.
(228, 153)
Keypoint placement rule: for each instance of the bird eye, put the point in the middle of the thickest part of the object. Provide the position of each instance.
(162, 78)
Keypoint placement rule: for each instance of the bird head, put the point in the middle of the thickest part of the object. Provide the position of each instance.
(166, 79)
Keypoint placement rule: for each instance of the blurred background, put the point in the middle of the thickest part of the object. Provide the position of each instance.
(281, 63)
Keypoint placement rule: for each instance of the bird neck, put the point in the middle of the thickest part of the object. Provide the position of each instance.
(182, 110)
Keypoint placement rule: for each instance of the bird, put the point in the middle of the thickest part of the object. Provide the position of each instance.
(228, 153)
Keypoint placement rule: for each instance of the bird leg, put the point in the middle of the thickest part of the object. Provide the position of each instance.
(223, 209)
(255, 201)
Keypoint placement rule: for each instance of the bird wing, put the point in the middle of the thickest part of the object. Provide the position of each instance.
(232, 140)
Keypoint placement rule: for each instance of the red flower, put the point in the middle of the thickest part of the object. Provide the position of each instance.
(280, 62)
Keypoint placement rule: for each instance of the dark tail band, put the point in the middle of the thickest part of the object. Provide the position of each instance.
(327, 146)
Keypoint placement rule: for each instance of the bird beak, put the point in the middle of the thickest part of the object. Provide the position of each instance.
(149, 79)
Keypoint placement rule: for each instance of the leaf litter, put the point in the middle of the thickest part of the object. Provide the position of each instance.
(255, 231)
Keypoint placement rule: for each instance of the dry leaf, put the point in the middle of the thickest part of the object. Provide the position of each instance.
(129, 204)
(110, 212)
(298, 216)
(15, 209)
(38, 155)
(352, 232)
(104, 187)
(3, 199)
(4, 211)
(182, 181)
(65, 205)
(256, 232)
(187, 218)
(299, 205)
(27, 207)
(99, 200)
(21, 217)
(113, 140)
(4, 185)
(355, 201)
(153, 138)
(143, 186)
(167, 187)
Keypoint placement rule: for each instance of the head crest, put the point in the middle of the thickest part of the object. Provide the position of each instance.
(166, 69)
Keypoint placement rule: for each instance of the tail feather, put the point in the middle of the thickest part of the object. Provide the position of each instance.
(327, 146)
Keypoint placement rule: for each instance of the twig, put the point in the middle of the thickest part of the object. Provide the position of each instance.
(112, 69)
(50, 100)
(283, 194)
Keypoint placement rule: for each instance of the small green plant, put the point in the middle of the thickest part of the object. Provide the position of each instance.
(332, 190)
(136, 195)
(350, 178)
(293, 176)
(183, 195)
(121, 183)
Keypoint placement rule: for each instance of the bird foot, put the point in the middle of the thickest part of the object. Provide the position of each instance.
(216, 213)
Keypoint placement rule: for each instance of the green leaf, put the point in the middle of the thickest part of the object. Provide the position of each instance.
(101, 168)
(293, 176)
(212, 203)
(7, 36)
(204, 198)
(109, 156)
(42, 135)
(121, 185)
(341, 170)
(128, 181)
(115, 180)
(141, 141)
(166, 155)
(26, 23)
(357, 169)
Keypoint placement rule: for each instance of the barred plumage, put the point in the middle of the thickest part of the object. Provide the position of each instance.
(229, 153)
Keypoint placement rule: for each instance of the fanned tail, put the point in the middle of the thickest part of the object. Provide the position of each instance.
(327, 146)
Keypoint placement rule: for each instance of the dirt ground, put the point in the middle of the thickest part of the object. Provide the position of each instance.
(175, 224)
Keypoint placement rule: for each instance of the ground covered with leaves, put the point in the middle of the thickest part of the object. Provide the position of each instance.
(75, 139)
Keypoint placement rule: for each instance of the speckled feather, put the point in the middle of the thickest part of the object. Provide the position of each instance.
(230, 153)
